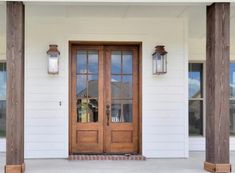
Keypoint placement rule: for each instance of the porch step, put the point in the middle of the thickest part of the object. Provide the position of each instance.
(106, 157)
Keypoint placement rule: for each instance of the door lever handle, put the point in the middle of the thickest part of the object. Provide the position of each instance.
(107, 113)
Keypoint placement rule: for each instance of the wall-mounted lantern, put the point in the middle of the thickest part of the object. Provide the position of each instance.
(159, 60)
(53, 55)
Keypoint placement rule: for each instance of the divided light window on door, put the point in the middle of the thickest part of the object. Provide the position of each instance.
(87, 86)
(121, 86)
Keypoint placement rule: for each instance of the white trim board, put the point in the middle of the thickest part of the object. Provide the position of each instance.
(198, 143)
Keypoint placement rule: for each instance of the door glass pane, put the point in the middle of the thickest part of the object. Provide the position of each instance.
(232, 79)
(93, 62)
(87, 86)
(87, 110)
(116, 86)
(116, 62)
(127, 110)
(82, 110)
(195, 80)
(127, 62)
(195, 117)
(3, 81)
(232, 117)
(92, 86)
(92, 110)
(116, 111)
(81, 85)
(2, 118)
(81, 62)
(121, 111)
(127, 86)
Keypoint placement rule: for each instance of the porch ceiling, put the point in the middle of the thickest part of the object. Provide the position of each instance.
(195, 12)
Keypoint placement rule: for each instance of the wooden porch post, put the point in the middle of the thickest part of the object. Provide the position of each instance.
(15, 88)
(217, 88)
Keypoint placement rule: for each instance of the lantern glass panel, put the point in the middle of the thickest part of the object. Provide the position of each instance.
(159, 63)
(53, 64)
(154, 64)
(164, 63)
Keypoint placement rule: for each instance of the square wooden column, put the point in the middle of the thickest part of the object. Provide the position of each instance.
(15, 88)
(217, 88)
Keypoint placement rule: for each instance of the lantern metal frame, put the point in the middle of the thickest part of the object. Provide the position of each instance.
(160, 53)
(53, 53)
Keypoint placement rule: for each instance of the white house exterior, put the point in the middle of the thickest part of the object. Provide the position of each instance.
(181, 28)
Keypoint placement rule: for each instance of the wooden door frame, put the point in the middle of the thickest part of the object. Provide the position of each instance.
(108, 43)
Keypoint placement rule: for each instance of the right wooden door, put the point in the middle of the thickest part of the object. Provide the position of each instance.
(121, 99)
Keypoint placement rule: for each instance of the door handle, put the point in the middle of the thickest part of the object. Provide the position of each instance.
(107, 113)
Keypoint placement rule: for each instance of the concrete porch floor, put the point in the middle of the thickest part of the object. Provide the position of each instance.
(192, 165)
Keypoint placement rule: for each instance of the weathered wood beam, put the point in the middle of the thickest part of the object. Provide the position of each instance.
(15, 88)
(217, 88)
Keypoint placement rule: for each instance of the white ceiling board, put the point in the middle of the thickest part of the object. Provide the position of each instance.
(232, 11)
(132, 1)
(154, 11)
(2, 29)
(104, 11)
(96, 11)
(76, 11)
(196, 13)
(2, 18)
(197, 22)
(106, 2)
(232, 29)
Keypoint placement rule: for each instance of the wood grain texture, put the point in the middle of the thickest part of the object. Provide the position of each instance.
(140, 96)
(105, 131)
(110, 140)
(89, 141)
(15, 84)
(14, 168)
(217, 167)
(217, 83)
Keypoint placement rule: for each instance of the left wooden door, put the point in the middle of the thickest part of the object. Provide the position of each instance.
(86, 99)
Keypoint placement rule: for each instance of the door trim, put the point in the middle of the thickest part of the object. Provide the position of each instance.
(139, 81)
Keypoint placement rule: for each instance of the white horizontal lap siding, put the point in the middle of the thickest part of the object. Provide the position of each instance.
(164, 101)
(46, 122)
(164, 115)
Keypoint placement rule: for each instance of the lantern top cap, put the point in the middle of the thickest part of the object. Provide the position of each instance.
(53, 49)
(160, 49)
(53, 45)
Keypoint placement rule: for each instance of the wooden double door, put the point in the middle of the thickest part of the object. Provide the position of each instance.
(104, 99)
